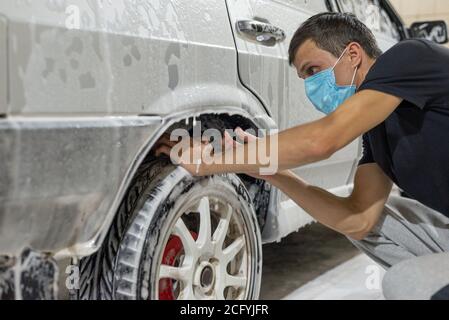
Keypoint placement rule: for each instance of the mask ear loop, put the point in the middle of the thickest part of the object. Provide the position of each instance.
(339, 58)
(356, 68)
(353, 77)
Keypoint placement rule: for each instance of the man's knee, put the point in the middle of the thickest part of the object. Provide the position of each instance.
(396, 282)
(423, 278)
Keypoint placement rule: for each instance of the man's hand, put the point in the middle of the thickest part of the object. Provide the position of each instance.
(189, 147)
(245, 137)
(183, 154)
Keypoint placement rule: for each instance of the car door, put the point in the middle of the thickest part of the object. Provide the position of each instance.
(264, 69)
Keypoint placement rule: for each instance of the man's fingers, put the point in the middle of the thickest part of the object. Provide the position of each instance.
(165, 139)
(242, 136)
(162, 142)
(163, 149)
(228, 142)
(245, 136)
(208, 149)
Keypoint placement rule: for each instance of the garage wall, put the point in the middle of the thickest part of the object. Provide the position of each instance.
(422, 10)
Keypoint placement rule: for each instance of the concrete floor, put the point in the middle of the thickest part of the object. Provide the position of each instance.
(357, 279)
(301, 258)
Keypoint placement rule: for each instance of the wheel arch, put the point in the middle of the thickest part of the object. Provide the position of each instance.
(214, 118)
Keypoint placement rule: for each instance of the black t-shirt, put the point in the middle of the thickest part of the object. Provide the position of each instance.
(412, 145)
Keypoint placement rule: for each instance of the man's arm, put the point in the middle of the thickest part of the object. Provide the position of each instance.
(354, 216)
(321, 139)
(315, 141)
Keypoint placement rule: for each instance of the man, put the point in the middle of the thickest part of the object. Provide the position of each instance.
(399, 102)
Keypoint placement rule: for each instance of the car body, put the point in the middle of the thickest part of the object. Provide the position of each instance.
(87, 88)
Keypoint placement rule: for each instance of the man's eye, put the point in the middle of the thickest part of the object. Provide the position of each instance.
(311, 71)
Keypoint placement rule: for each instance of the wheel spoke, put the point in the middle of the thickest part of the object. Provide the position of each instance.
(184, 234)
(235, 281)
(204, 235)
(231, 251)
(170, 272)
(187, 293)
(222, 229)
(219, 292)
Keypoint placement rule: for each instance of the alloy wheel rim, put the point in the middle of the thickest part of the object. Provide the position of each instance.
(211, 257)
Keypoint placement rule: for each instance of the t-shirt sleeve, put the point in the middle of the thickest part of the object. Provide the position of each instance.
(367, 156)
(408, 71)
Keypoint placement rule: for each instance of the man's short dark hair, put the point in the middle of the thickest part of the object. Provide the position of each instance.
(332, 32)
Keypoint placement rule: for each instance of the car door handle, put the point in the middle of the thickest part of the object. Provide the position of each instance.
(260, 32)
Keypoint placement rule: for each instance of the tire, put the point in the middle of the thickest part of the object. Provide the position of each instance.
(178, 237)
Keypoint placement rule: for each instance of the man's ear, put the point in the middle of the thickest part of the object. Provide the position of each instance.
(355, 51)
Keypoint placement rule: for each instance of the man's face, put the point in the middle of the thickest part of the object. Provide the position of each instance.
(310, 60)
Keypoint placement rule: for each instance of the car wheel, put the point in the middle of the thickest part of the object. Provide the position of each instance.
(180, 238)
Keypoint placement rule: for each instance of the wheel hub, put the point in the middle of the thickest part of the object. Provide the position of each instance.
(205, 276)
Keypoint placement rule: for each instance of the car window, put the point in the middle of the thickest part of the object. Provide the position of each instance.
(373, 15)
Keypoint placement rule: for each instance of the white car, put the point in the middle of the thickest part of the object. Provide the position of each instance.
(88, 87)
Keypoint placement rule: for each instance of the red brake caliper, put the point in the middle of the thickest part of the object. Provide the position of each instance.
(172, 251)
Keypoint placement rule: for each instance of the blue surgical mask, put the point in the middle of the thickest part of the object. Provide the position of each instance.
(323, 91)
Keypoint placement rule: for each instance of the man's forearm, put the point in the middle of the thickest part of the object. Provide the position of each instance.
(318, 140)
(334, 212)
(287, 150)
